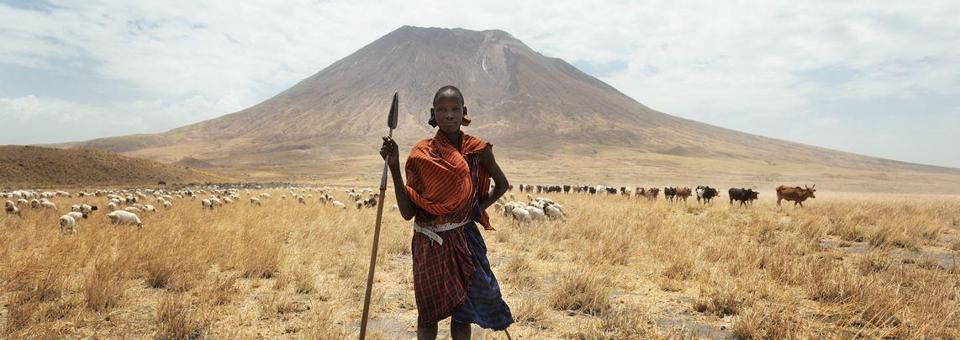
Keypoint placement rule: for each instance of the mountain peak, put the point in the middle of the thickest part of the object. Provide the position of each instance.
(518, 99)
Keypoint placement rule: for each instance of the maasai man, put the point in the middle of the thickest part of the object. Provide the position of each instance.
(446, 195)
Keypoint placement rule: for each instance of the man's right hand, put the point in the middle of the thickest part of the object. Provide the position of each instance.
(390, 152)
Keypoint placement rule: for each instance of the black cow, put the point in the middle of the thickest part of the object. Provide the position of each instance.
(669, 193)
(706, 193)
(745, 196)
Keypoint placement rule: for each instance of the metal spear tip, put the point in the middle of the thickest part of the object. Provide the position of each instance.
(392, 118)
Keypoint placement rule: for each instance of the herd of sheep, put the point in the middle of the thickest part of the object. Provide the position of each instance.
(126, 206)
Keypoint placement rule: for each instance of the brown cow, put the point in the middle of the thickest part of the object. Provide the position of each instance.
(684, 193)
(651, 193)
(795, 194)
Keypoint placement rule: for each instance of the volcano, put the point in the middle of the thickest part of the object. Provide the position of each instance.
(549, 122)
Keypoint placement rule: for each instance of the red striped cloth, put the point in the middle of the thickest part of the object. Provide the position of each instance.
(444, 183)
(439, 180)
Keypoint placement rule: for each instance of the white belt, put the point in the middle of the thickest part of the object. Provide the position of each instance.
(431, 232)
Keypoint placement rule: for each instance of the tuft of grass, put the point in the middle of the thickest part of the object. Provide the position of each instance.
(103, 286)
(177, 319)
(681, 268)
(519, 273)
(765, 322)
(719, 301)
(582, 289)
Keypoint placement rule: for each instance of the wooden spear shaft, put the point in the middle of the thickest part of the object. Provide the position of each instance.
(392, 124)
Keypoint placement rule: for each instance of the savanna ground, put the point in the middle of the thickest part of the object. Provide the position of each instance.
(616, 268)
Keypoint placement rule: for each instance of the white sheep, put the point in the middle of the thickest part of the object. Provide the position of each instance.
(77, 215)
(68, 224)
(88, 209)
(132, 209)
(149, 208)
(167, 205)
(206, 203)
(553, 211)
(48, 205)
(536, 213)
(125, 217)
(255, 201)
(520, 214)
(11, 208)
(339, 205)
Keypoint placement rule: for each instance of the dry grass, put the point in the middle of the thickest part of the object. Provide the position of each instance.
(616, 268)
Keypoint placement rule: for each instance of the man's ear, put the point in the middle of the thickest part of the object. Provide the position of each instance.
(433, 119)
(466, 120)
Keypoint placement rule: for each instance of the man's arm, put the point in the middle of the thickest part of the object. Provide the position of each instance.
(390, 153)
(489, 162)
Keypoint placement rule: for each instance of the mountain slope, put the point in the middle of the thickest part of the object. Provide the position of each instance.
(31, 166)
(527, 104)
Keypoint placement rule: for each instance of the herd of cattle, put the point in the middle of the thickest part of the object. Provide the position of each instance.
(704, 193)
(124, 205)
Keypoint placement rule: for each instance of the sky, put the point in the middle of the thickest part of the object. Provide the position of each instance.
(880, 78)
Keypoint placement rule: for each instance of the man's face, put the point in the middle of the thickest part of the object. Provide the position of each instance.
(449, 114)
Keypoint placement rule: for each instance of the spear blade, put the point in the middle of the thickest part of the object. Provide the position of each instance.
(392, 117)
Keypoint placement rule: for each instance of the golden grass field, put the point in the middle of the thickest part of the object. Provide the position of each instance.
(846, 266)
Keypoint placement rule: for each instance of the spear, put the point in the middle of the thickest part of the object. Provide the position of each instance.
(392, 124)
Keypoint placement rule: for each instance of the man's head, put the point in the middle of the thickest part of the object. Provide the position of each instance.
(448, 111)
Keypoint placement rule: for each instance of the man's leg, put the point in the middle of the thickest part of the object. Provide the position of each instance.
(459, 331)
(427, 333)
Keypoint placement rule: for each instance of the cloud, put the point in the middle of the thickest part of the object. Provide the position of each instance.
(749, 65)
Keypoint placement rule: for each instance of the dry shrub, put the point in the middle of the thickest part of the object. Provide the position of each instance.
(765, 322)
(621, 323)
(813, 227)
(259, 255)
(170, 261)
(519, 273)
(280, 305)
(103, 285)
(669, 285)
(720, 301)
(177, 319)
(837, 285)
(681, 268)
(219, 290)
(583, 289)
(300, 278)
(528, 311)
(873, 262)
(612, 247)
(892, 236)
(321, 324)
(393, 242)
(847, 231)
(955, 246)
(766, 234)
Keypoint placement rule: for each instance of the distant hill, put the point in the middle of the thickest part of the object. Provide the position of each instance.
(549, 121)
(31, 167)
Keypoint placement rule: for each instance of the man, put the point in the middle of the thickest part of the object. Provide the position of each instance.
(447, 177)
